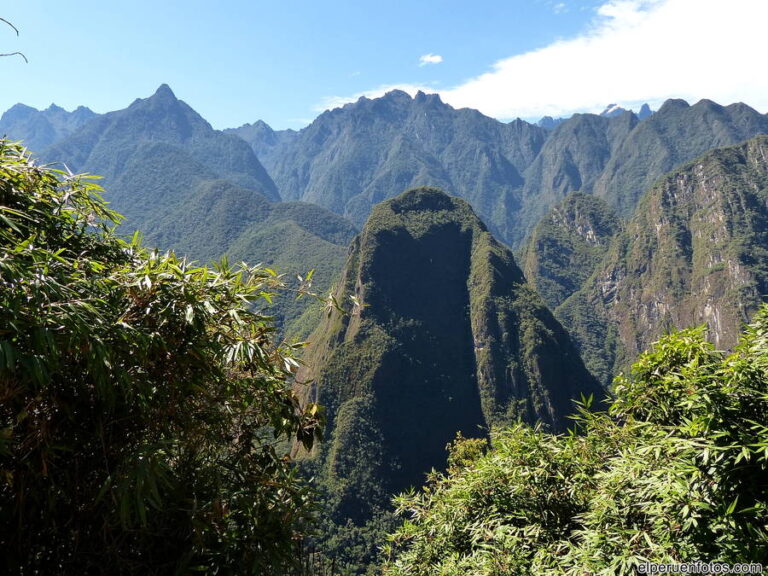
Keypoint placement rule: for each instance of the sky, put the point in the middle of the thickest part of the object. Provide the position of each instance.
(237, 61)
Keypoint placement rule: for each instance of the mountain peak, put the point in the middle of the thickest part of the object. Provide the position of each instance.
(448, 337)
(432, 98)
(672, 105)
(644, 112)
(397, 94)
(612, 110)
(18, 111)
(421, 199)
(549, 123)
(164, 92)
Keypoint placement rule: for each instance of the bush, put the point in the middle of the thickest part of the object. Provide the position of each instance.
(143, 401)
(675, 471)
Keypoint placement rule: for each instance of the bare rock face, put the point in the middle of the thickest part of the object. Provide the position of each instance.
(695, 252)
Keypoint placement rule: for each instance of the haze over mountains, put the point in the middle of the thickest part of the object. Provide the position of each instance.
(38, 129)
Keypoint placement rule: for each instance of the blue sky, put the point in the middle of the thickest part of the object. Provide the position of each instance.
(284, 62)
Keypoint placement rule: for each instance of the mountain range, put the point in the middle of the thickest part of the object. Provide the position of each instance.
(694, 252)
(624, 226)
(39, 129)
(352, 157)
(295, 199)
(197, 190)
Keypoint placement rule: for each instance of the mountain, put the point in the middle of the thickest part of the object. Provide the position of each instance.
(618, 158)
(675, 134)
(218, 218)
(352, 157)
(549, 123)
(694, 252)
(205, 194)
(571, 160)
(446, 336)
(567, 245)
(613, 110)
(114, 143)
(268, 143)
(644, 112)
(38, 129)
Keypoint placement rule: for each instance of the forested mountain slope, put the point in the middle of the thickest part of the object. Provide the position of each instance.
(446, 337)
(694, 252)
(352, 157)
(203, 193)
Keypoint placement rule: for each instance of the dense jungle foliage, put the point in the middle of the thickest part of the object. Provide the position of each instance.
(143, 400)
(675, 471)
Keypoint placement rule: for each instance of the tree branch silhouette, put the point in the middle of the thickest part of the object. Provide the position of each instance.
(17, 33)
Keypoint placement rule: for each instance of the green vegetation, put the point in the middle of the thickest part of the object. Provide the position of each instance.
(352, 158)
(145, 409)
(445, 336)
(142, 401)
(567, 245)
(694, 252)
(218, 219)
(197, 191)
(675, 471)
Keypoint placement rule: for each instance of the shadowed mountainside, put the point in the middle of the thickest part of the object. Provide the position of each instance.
(447, 336)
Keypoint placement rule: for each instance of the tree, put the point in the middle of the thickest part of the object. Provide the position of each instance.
(675, 471)
(145, 410)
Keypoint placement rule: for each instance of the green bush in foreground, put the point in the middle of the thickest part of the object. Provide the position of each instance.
(676, 471)
(142, 400)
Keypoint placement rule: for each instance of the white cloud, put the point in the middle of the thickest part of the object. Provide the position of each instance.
(430, 59)
(635, 51)
(560, 8)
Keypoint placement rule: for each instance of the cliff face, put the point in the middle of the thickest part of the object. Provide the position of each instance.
(446, 336)
(695, 252)
(567, 245)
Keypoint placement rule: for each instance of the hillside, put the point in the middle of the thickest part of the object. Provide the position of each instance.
(695, 252)
(352, 157)
(196, 190)
(567, 245)
(447, 337)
